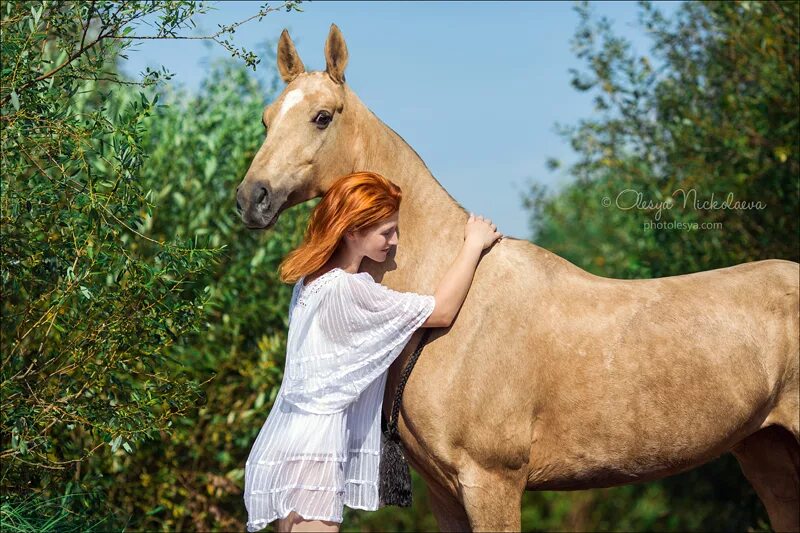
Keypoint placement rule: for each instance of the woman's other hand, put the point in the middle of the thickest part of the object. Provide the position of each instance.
(481, 231)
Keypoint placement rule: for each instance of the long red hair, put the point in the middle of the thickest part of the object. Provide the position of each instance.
(354, 202)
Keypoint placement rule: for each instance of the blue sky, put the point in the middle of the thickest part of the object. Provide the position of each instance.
(474, 87)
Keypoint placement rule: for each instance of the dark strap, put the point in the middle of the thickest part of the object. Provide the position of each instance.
(398, 395)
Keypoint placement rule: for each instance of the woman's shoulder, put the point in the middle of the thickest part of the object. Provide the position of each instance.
(335, 285)
(351, 287)
(357, 278)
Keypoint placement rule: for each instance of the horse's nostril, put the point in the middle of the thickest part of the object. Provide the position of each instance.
(238, 206)
(261, 195)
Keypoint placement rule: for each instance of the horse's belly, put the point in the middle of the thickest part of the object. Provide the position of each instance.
(649, 409)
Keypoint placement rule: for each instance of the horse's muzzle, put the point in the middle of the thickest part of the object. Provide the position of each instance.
(253, 205)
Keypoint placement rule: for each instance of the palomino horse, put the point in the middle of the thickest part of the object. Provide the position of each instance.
(550, 377)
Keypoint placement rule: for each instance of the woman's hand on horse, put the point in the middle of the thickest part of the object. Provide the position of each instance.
(481, 230)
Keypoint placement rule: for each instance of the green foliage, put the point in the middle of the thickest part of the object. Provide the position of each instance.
(86, 320)
(717, 117)
(64, 513)
(714, 497)
(714, 111)
(115, 318)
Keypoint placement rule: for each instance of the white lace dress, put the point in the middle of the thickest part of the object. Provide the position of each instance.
(319, 448)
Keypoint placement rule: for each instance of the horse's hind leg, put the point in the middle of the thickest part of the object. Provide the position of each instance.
(770, 460)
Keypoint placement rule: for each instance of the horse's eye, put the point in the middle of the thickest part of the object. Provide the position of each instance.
(322, 119)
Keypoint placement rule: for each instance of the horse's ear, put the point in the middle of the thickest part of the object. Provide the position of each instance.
(335, 55)
(289, 63)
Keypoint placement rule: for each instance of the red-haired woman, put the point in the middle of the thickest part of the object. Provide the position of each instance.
(319, 448)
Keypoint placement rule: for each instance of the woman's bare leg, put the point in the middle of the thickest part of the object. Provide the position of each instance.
(294, 522)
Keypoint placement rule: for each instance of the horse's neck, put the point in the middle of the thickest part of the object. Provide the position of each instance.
(431, 221)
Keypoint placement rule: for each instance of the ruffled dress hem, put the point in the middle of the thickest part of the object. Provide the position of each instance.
(261, 523)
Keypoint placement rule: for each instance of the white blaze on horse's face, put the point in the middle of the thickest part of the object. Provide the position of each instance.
(292, 98)
(305, 136)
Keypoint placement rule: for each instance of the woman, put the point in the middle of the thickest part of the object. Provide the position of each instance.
(319, 448)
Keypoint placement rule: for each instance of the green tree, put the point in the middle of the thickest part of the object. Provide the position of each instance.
(94, 311)
(717, 116)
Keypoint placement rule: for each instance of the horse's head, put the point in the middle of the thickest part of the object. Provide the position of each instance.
(310, 136)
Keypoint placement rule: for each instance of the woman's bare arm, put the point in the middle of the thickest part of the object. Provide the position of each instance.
(479, 234)
(453, 289)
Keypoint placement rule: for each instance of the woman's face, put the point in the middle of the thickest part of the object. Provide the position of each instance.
(376, 241)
